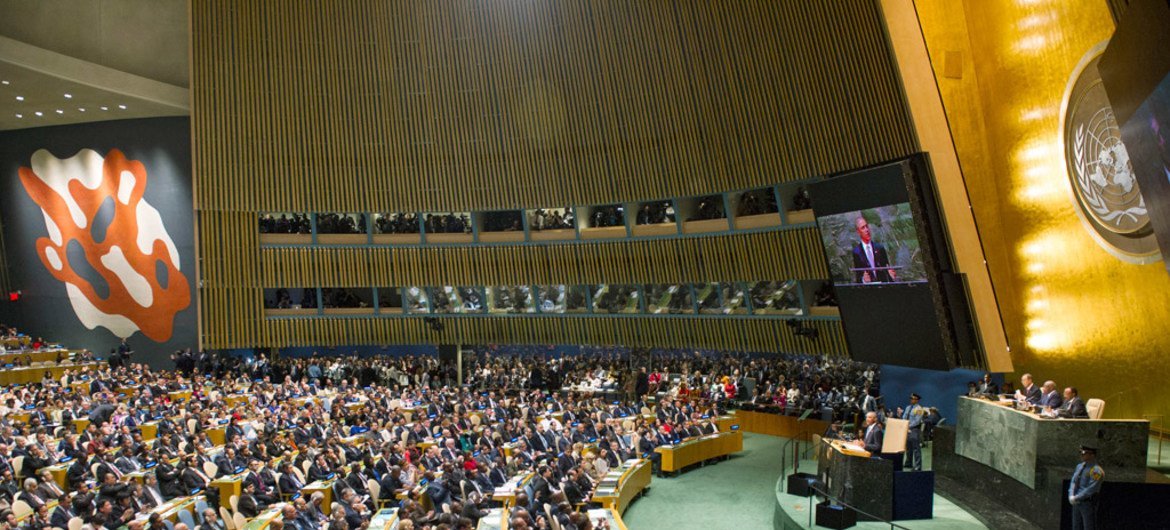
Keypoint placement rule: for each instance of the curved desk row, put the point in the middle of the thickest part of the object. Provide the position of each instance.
(678, 456)
(622, 485)
(498, 519)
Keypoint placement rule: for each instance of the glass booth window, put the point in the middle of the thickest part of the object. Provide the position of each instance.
(341, 223)
(285, 223)
(775, 298)
(552, 298)
(416, 300)
(726, 298)
(395, 223)
(673, 299)
(448, 299)
(510, 299)
(615, 299)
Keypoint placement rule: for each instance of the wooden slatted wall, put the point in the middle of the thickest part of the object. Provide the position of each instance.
(423, 105)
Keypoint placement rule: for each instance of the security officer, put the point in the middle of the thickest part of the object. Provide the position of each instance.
(1084, 490)
(914, 414)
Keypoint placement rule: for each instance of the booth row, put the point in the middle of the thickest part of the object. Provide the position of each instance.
(755, 209)
(763, 298)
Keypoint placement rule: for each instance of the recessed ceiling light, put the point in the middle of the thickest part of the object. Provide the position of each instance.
(68, 96)
(105, 108)
(81, 109)
(123, 107)
(5, 82)
(38, 113)
(18, 115)
(20, 98)
(59, 111)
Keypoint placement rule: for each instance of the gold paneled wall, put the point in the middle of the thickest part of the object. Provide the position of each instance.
(1073, 312)
(378, 105)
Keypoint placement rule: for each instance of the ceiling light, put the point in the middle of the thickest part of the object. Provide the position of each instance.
(38, 113)
(18, 115)
(123, 107)
(81, 109)
(59, 111)
(105, 108)
(68, 96)
(5, 82)
(20, 98)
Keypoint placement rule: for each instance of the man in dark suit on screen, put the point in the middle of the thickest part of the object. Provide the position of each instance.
(869, 254)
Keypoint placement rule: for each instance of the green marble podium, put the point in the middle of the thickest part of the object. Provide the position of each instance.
(1040, 452)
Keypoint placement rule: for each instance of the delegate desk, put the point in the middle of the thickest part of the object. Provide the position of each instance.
(777, 424)
(678, 456)
(506, 494)
(623, 484)
(1040, 452)
(34, 374)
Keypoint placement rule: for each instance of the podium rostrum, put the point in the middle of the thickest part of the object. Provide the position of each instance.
(873, 484)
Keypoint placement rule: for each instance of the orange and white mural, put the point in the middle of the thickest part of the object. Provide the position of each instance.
(129, 256)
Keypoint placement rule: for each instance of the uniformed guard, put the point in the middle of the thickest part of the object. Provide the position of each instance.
(1084, 490)
(914, 414)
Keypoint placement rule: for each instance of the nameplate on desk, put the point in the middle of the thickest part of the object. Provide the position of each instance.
(735, 427)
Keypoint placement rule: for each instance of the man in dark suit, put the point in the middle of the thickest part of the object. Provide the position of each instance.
(1049, 397)
(1073, 406)
(1028, 390)
(61, 515)
(987, 387)
(289, 483)
(872, 438)
(250, 505)
(869, 254)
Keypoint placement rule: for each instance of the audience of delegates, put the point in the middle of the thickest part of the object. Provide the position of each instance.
(345, 420)
(340, 223)
(757, 202)
(396, 223)
(297, 224)
(552, 220)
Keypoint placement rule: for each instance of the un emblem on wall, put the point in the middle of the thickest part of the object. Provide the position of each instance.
(1100, 174)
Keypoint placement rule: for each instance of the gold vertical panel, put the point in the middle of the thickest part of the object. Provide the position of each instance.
(464, 105)
(1073, 313)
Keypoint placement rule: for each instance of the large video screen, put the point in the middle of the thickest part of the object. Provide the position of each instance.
(882, 240)
(1147, 139)
(1135, 71)
(872, 246)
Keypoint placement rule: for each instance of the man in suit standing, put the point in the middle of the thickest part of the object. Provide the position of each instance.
(1073, 406)
(869, 254)
(872, 438)
(1084, 490)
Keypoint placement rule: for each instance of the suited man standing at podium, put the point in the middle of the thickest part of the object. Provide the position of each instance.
(869, 254)
(871, 438)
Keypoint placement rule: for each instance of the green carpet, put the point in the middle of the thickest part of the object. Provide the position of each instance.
(738, 493)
